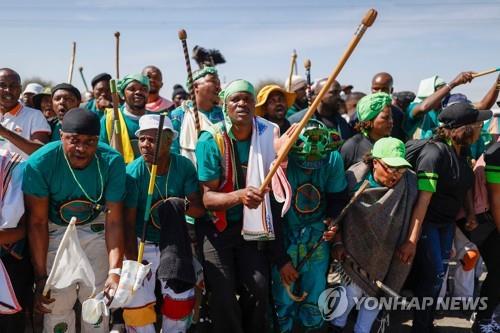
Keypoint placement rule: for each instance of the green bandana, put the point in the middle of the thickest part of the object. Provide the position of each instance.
(202, 72)
(123, 83)
(233, 87)
(371, 105)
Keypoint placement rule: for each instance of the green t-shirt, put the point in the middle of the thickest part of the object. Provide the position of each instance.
(56, 136)
(132, 123)
(91, 106)
(209, 163)
(309, 191)
(182, 181)
(47, 174)
(421, 127)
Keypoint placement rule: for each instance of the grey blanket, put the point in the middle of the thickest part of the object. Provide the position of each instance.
(373, 229)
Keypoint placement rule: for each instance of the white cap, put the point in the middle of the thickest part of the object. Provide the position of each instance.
(152, 121)
(298, 82)
(33, 88)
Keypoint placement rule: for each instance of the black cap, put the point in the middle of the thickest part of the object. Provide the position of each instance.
(68, 87)
(179, 90)
(81, 121)
(460, 114)
(100, 77)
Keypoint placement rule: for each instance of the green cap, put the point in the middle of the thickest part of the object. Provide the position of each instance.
(391, 151)
(371, 105)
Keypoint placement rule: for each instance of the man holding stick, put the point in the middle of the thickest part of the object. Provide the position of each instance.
(134, 88)
(206, 86)
(176, 177)
(231, 262)
(80, 177)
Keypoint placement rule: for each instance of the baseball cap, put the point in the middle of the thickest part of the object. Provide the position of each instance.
(461, 113)
(391, 151)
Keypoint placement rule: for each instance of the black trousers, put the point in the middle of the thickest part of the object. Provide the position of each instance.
(232, 267)
(21, 277)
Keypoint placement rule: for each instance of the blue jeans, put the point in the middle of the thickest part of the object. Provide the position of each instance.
(431, 263)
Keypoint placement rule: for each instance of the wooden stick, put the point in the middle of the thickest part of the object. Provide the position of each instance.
(115, 140)
(117, 54)
(151, 188)
(183, 38)
(295, 64)
(72, 63)
(292, 66)
(367, 21)
(489, 71)
(83, 79)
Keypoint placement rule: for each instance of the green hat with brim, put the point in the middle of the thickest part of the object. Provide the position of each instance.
(391, 151)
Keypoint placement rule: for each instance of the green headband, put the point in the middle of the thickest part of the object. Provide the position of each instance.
(123, 83)
(371, 105)
(232, 88)
(202, 72)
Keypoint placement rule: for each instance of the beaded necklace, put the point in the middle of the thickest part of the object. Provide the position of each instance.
(81, 187)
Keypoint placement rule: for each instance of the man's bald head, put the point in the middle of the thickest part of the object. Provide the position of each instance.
(382, 82)
(4, 72)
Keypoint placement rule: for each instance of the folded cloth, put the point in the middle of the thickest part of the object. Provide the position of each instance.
(188, 136)
(11, 195)
(258, 223)
(176, 258)
(8, 300)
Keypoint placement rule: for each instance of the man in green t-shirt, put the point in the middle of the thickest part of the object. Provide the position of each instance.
(75, 177)
(176, 177)
(64, 98)
(134, 89)
(232, 263)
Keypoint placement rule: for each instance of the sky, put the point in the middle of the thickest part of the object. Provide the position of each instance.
(412, 40)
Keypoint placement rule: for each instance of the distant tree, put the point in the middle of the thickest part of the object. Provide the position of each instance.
(37, 79)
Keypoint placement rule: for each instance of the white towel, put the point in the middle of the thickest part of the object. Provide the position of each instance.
(188, 136)
(8, 300)
(258, 223)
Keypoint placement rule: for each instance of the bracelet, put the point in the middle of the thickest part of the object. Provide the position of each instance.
(117, 271)
(449, 87)
(337, 243)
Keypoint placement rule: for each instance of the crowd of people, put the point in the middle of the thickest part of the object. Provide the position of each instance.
(422, 167)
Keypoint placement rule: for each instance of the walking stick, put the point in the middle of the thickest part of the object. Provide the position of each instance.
(115, 140)
(307, 65)
(183, 37)
(367, 21)
(292, 66)
(117, 54)
(320, 240)
(72, 63)
(151, 188)
(489, 71)
(83, 79)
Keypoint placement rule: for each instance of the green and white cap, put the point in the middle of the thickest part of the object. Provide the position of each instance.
(391, 151)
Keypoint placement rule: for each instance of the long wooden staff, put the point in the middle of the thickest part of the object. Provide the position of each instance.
(307, 65)
(72, 63)
(320, 240)
(489, 71)
(117, 54)
(367, 21)
(115, 140)
(183, 38)
(293, 62)
(151, 188)
(83, 79)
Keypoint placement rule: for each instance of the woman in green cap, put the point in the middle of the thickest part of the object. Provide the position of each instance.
(371, 232)
(375, 121)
